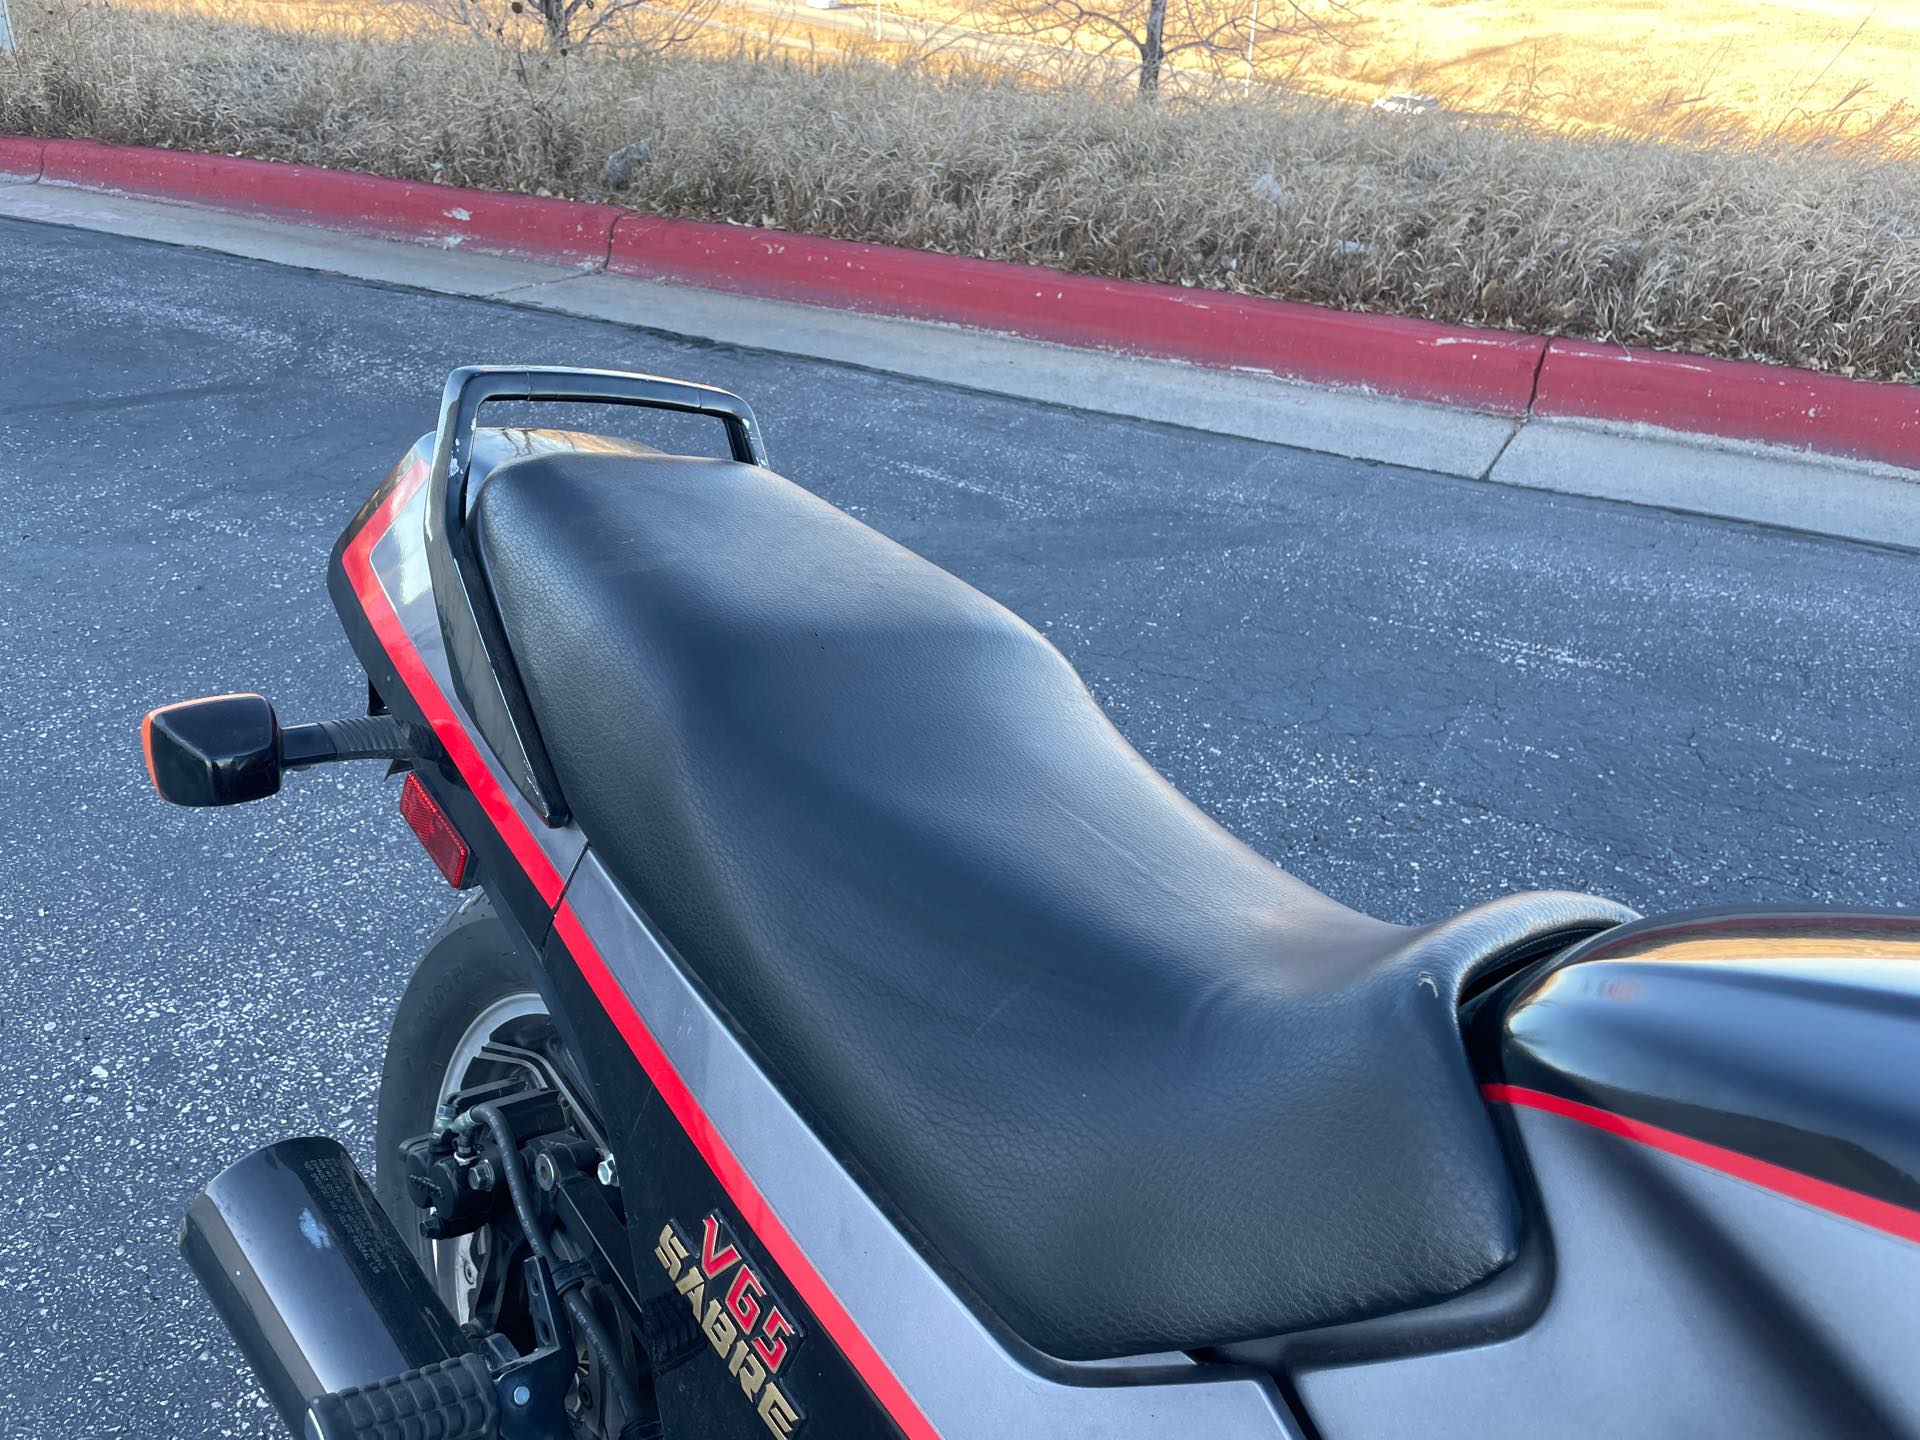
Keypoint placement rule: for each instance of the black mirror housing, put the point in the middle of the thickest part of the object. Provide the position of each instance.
(223, 750)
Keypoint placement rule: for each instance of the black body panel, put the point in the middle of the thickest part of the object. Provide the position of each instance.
(1718, 1113)
(1132, 1084)
(1790, 1038)
(494, 865)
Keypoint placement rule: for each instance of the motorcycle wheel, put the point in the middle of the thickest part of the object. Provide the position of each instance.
(469, 997)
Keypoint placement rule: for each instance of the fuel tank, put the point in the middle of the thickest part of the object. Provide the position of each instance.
(1789, 1041)
(1716, 1118)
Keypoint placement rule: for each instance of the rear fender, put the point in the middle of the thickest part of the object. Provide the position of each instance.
(381, 586)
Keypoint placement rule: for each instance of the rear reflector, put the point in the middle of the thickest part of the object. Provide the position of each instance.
(435, 831)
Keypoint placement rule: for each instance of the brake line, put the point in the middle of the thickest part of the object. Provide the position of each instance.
(578, 1310)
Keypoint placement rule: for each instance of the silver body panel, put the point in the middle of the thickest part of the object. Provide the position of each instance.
(1685, 1302)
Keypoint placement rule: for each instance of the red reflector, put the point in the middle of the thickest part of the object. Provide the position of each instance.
(435, 831)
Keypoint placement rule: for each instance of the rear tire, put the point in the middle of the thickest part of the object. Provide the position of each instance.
(472, 986)
(470, 967)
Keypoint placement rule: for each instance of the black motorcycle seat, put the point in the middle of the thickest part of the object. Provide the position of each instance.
(1125, 1080)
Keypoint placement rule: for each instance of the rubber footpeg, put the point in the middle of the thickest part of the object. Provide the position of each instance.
(453, 1400)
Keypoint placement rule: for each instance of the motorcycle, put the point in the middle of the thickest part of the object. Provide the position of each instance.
(846, 1033)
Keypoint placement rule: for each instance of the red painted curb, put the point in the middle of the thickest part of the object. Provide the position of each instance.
(1489, 370)
(21, 154)
(528, 226)
(1776, 404)
(1486, 369)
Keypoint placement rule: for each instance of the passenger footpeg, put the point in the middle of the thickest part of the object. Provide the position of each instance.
(453, 1400)
(505, 1396)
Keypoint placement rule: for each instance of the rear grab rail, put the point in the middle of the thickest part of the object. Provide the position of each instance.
(484, 675)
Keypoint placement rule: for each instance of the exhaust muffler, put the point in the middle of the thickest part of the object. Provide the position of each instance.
(315, 1284)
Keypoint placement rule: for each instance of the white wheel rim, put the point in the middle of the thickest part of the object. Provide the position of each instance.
(453, 1262)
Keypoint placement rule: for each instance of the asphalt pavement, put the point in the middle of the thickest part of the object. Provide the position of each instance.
(1416, 692)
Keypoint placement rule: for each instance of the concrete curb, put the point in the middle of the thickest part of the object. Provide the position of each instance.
(1493, 372)
(1768, 404)
(21, 156)
(526, 227)
(1640, 465)
(1485, 370)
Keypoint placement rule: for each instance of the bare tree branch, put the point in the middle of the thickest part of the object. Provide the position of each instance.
(563, 24)
(1215, 34)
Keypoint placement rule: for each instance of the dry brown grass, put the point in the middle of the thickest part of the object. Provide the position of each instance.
(1806, 252)
(1648, 68)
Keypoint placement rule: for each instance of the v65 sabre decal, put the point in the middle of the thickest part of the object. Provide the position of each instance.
(746, 1324)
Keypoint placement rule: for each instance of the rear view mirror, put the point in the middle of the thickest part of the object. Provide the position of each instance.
(219, 751)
